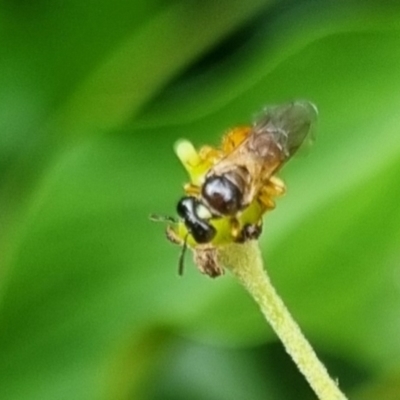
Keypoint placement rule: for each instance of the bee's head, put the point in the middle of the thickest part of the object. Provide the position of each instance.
(196, 217)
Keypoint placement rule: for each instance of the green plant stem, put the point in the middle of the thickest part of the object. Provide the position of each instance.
(245, 263)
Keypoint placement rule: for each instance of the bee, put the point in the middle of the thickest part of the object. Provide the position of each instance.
(231, 187)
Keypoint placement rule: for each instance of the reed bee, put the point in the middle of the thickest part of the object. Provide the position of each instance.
(231, 187)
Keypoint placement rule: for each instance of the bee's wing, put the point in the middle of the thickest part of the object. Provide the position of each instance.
(288, 125)
(275, 136)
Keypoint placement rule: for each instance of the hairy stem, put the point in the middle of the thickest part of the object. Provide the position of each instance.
(245, 262)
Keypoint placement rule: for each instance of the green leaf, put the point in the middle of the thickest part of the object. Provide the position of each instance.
(151, 57)
(86, 276)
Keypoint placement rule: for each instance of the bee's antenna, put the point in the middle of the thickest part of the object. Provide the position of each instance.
(181, 263)
(163, 218)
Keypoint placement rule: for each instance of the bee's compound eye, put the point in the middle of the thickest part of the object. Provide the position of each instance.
(222, 195)
(195, 217)
(185, 207)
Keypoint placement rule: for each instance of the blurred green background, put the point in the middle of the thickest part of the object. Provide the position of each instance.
(92, 97)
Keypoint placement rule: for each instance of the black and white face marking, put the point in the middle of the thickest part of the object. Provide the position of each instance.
(195, 216)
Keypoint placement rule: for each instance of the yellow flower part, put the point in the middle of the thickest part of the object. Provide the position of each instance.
(228, 229)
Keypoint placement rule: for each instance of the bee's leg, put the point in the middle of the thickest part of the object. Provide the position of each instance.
(273, 188)
(191, 189)
(277, 185)
(249, 232)
(172, 236)
(234, 138)
(243, 233)
(266, 200)
(235, 228)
